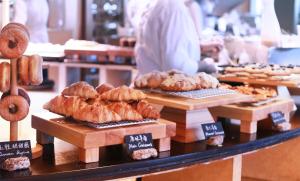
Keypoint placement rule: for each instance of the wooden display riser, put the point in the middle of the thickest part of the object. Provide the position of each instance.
(250, 115)
(88, 140)
(223, 170)
(190, 114)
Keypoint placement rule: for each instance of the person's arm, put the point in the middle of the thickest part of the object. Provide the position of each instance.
(20, 8)
(179, 48)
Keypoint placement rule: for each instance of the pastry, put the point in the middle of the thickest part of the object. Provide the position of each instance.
(215, 140)
(206, 81)
(150, 80)
(285, 126)
(4, 76)
(35, 69)
(144, 154)
(13, 42)
(178, 82)
(125, 111)
(96, 114)
(19, 163)
(13, 108)
(21, 92)
(123, 93)
(278, 72)
(16, 26)
(23, 70)
(81, 89)
(104, 88)
(146, 110)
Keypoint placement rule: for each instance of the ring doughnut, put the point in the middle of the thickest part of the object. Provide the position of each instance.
(13, 42)
(16, 25)
(23, 70)
(21, 92)
(14, 108)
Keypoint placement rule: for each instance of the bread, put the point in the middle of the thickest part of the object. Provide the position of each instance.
(4, 76)
(206, 81)
(104, 88)
(125, 111)
(123, 93)
(35, 69)
(23, 70)
(12, 164)
(150, 80)
(144, 154)
(80, 89)
(96, 114)
(178, 82)
(146, 110)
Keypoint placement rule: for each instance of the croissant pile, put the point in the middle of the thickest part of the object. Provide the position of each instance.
(103, 104)
(175, 80)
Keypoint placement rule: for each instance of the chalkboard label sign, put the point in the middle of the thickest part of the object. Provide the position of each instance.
(212, 129)
(14, 149)
(138, 142)
(277, 118)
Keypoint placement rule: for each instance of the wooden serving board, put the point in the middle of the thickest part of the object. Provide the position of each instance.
(250, 115)
(90, 139)
(196, 104)
(266, 82)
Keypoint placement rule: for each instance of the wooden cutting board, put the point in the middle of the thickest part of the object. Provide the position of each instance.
(266, 82)
(195, 104)
(86, 137)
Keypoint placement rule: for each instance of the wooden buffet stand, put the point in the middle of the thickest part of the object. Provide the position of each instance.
(89, 140)
(190, 114)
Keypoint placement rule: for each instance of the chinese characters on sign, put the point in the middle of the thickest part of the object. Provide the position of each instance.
(138, 141)
(212, 129)
(15, 149)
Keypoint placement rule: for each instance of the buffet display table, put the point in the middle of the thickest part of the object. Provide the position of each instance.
(61, 162)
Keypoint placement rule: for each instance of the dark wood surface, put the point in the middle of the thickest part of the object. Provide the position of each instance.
(116, 164)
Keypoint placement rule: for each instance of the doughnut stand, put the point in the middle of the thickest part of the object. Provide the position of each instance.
(14, 104)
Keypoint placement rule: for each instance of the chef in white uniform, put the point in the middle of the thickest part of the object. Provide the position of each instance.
(34, 14)
(168, 38)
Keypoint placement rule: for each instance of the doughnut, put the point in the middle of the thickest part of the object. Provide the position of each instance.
(23, 70)
(13, 42)
(16, 25)
(35, 69)
(21, 92)
(4, 76)
(13, 108)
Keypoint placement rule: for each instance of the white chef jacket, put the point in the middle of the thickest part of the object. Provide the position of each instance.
(33, 14)
(167, 38)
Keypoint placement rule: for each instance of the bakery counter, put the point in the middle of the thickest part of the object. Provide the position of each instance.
(59, 161)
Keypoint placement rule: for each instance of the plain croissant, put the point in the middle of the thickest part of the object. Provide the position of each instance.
(80, 89)
(123, 93)
(125, 111)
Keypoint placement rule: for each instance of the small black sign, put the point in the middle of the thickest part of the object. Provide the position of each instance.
(277, 118)
(212, 129)
(138, 142)
(14, 149)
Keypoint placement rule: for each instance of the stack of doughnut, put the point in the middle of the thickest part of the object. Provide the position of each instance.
(14, 39)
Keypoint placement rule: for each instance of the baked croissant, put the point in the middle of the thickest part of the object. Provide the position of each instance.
(96, 114)
(104, 88)
(64, 105)
(123, 93)
(150, 80)
(80, 89)
(146, 110)
(125, 111)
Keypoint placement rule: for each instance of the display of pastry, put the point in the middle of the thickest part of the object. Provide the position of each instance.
(80, 89)
(35, 69)
(23, 70)
(104, 88)
(206, 81)
(125, 111)
(18, 163)
(123, 93)
(144, 154)
(4, 76)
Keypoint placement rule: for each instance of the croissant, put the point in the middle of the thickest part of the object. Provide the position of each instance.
(146, 110)
(104, 88)
(96, 114)
(64, 105)
(123, 93)
(125, 111)
(81, 89)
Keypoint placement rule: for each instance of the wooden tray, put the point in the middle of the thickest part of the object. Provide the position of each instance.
(49, 125)
(196, 104)
(267, 82)
(251, 115)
